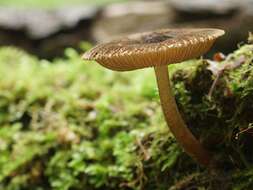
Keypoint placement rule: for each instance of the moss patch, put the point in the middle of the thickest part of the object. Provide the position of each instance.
(49, 4)
(75, 125)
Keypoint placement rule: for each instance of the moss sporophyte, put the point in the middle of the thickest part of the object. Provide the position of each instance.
(158, 49)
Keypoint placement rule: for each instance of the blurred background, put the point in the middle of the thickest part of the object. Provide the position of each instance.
(46, 27)
(69, 125)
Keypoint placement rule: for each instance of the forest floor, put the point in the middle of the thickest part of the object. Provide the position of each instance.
(71, 124)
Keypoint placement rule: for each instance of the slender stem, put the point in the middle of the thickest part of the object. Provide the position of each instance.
(175, 122)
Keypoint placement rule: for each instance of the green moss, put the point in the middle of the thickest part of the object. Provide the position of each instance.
(75, 125)
(49, 4)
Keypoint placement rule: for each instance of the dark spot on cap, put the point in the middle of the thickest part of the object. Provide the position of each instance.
(155, 38)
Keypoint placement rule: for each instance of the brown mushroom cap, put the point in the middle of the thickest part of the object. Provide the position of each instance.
(155, 48)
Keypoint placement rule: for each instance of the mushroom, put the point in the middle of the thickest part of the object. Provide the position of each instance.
(158, 49)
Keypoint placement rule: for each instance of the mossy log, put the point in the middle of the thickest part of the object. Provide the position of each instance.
(69, 125)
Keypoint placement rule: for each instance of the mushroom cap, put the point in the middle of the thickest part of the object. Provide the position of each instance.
(151, 49)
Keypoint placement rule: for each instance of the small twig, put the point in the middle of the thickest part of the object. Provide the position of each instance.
(214, 84)
(243, 131)
(219, 70)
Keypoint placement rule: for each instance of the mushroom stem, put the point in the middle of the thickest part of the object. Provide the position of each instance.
(175, 122)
